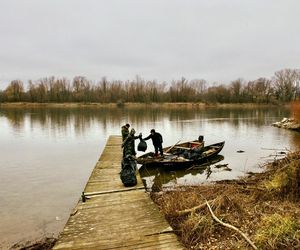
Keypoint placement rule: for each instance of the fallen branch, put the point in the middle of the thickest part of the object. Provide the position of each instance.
(164, 231)
(255, 188)
(229, 226)
(191, 210)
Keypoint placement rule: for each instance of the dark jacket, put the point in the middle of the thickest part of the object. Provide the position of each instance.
(157, 139)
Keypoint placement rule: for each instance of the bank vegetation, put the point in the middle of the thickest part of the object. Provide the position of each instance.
(283, 87)
(263, 206)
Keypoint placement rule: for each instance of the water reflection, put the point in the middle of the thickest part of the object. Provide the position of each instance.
(83, 118)
(157, 178)
(16, 119)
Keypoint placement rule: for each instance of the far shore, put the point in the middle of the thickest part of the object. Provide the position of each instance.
(134, 105)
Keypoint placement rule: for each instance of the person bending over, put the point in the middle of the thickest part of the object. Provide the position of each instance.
(157, 141)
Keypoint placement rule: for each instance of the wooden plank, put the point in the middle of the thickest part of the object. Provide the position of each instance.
(115, 217)
(180, 147)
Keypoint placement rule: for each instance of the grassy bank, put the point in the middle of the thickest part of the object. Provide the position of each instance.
(264, 206)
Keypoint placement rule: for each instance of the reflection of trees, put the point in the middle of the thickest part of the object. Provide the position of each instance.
(60, 119)
(16, 118)
(55, 120)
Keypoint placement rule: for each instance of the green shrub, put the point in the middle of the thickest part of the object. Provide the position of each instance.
(276, 231)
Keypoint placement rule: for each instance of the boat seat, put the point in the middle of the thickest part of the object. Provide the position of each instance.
(195, 142)
(179, 147)
(211, 150)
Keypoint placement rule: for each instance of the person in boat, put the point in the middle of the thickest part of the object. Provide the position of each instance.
(196, 149)
(201, 140)
(128, 144)
(157, 141)
(125, 131)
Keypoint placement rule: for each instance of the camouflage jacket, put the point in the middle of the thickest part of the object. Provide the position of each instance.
(125, 132)
(129, 146)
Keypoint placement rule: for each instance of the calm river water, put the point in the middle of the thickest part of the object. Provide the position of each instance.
(47, 154)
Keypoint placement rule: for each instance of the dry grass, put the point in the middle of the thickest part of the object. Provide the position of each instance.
(264, 206)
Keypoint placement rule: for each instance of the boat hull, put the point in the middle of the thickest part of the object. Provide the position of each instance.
(173, 161)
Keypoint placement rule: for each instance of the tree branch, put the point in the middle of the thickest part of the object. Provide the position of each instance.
(230, 226)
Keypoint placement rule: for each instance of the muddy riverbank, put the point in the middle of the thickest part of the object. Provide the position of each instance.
(263, 206)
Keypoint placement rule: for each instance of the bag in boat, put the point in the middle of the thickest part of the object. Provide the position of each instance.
(142, 146)
(127, 174)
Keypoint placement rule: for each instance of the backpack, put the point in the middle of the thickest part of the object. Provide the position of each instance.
(127, 174)
(142, 145)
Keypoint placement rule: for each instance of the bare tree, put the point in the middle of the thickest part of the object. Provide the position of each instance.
(199, 85)
(263, 90)
(284, 87)
(285, 83)
(236, 87)
(2, 96)
(15, 91)
(81, 89)
(218, 93)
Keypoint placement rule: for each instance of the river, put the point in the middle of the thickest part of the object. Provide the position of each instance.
(47, 154)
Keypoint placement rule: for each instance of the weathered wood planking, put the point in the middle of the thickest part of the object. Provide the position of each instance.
(126, 219)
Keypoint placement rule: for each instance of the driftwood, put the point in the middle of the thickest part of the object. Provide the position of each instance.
(191, 210)
(194, 209)
(221, 165)
(166, 230)
(230, 226)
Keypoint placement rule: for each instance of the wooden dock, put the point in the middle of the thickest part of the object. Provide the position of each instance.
(115, 217)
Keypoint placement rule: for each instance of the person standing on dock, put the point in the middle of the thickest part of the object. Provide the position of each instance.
(128, 144)
(157, 141)
(125, 131)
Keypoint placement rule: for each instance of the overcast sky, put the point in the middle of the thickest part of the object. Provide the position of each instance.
(158, 39)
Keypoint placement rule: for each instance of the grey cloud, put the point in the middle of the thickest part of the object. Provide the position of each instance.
(164, 40)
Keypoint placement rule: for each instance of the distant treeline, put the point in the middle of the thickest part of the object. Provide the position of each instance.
(282, 87)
